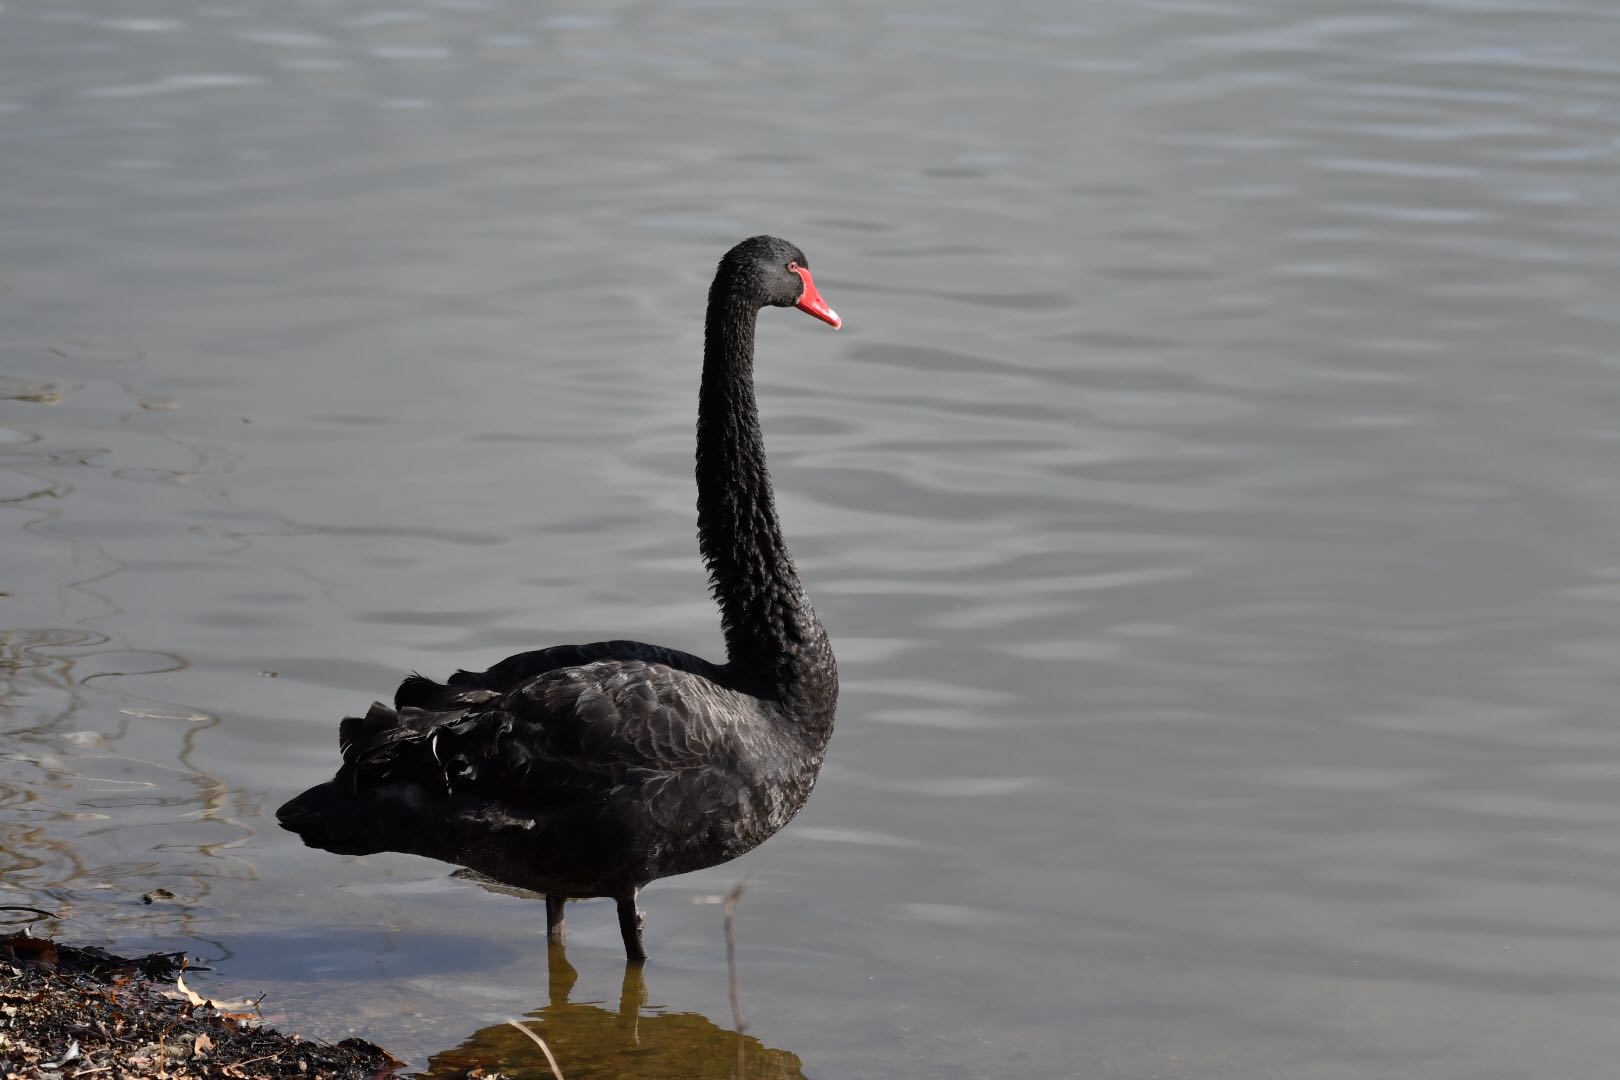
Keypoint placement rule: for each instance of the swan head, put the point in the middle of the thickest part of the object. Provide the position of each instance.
(766, 271)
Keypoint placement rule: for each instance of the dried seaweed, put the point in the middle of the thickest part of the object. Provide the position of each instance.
(67, 1012)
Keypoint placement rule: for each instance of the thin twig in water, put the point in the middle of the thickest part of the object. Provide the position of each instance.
(729, 907)
(37, 911)
(541, 1043)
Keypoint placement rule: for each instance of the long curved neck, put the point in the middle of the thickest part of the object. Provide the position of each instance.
(774, 641)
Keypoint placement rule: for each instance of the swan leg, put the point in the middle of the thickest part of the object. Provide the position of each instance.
(556, 928)
(630, 923)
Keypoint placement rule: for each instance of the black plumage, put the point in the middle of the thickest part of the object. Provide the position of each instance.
(591, 770)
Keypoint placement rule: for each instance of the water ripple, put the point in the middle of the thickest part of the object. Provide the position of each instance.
(172, 84)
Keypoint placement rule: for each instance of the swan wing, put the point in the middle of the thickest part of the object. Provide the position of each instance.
(515, 672)
(569, 735)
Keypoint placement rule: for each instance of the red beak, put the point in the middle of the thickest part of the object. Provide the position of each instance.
(810, 301)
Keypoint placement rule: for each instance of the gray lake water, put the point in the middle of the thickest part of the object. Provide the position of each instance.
(1214, 498)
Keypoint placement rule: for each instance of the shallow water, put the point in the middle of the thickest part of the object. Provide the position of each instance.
(1213, 499)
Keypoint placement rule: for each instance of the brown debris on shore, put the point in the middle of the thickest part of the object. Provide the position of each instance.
(68, 1012)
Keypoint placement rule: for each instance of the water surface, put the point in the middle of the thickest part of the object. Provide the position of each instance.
(1213, 499)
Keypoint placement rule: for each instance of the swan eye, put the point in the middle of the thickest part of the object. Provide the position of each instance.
(793, 267)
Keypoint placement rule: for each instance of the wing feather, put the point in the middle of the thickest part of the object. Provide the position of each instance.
(565, 735)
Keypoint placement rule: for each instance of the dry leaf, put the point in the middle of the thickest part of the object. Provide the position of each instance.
(190, 994)
(36, 951)
(73, 1052)
(201, 1045)
(226, 1007)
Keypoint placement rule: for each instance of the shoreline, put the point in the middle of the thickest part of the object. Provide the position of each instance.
(68, 1011)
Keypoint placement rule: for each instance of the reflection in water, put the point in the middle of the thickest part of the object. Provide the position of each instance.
(78, 781)
(634, 1040)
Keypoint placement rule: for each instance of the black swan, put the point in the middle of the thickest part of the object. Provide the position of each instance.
(591, 770)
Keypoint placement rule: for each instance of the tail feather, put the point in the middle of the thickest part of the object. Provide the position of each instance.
(420, 692)
(357, 733)
(390, 766)
(324, 817)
